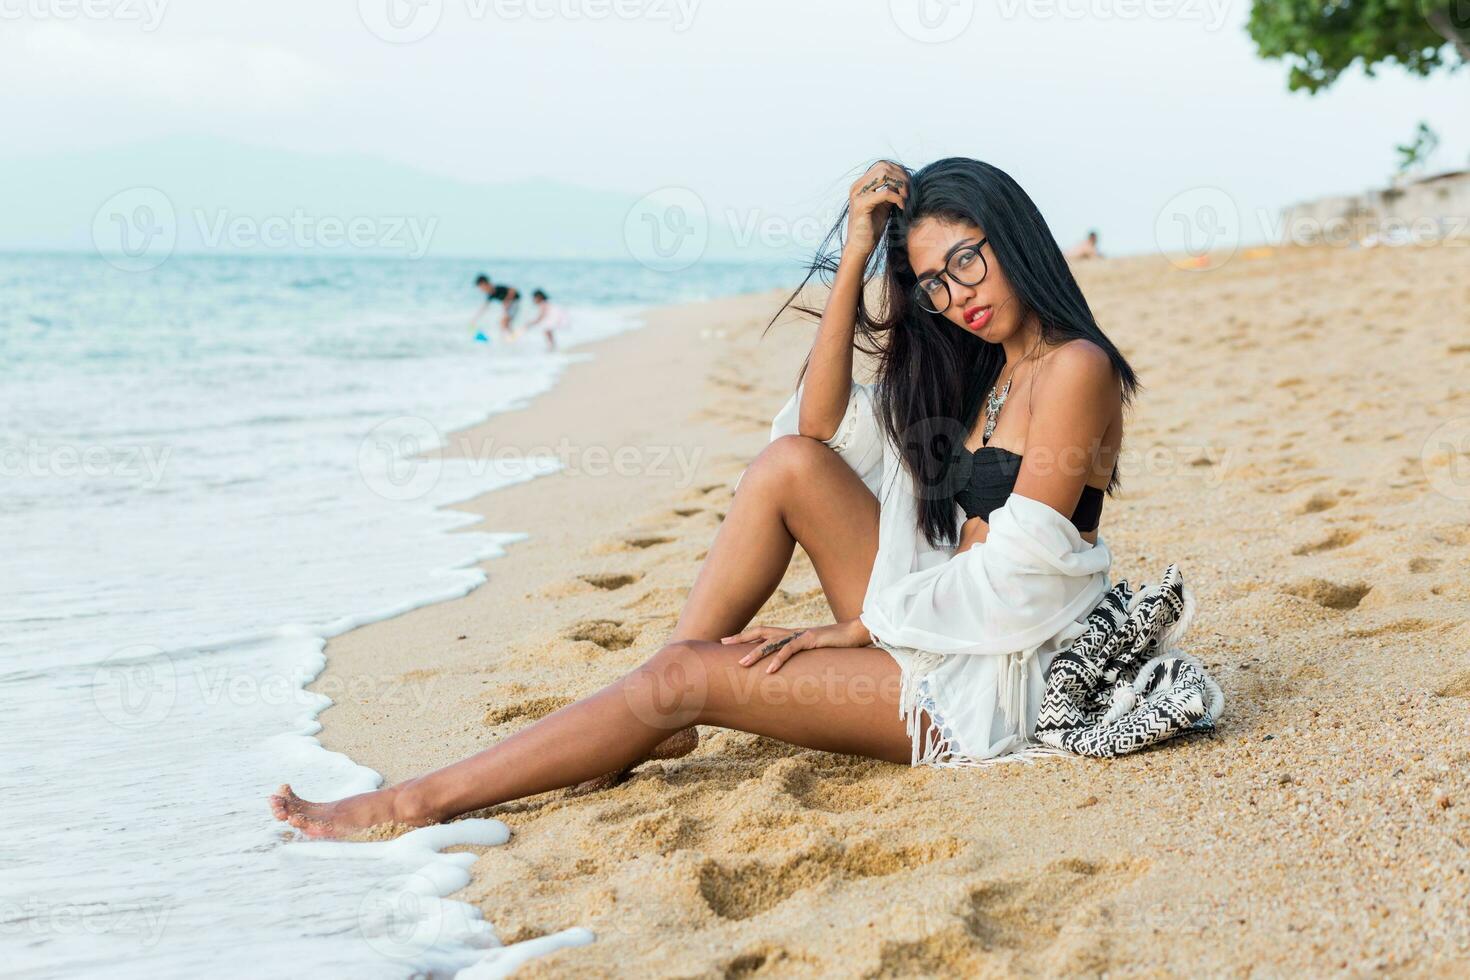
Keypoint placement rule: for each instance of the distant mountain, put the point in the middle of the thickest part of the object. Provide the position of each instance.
(212, 195)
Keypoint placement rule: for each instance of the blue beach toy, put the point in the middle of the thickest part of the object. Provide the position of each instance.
(480, 337)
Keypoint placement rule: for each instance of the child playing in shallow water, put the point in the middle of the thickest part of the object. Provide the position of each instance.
(549, 317)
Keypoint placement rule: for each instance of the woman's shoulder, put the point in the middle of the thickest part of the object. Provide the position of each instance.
(1078, 368)
(1079, 354)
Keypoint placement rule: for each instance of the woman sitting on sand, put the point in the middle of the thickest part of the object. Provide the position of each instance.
(989, 436)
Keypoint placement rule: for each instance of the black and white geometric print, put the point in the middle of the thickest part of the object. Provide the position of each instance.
(1122, 685)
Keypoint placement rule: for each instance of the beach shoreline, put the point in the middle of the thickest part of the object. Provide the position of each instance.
(1282, 452)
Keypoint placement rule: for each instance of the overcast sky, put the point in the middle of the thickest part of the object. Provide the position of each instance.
(1106, 110)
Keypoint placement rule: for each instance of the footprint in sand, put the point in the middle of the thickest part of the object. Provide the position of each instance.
(610, 634)
(646, 541)
(530, 710)
(1457, 686)
(1017, 918)
(1285, 485)
(745, 889)
(767, 960)
(610, 581)
(1329, 595)
(1003, 913)
(838, 790)
(1413, 624)
(637, 542)
(1317, 503)
(1339, 537)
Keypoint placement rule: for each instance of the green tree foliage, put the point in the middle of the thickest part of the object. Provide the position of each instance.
(1320, 39)
(1413, 156)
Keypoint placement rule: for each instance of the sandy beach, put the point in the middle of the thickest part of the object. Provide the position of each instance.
(1293, 450)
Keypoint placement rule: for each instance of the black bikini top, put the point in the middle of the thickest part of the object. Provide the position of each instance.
(991, 478)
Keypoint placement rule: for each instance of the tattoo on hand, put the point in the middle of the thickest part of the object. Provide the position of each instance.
(778, 644)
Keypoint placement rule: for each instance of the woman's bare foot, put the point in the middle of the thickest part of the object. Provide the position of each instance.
(679, 744)
(337, 819)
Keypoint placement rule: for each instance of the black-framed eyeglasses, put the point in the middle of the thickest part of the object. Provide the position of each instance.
(965, 265)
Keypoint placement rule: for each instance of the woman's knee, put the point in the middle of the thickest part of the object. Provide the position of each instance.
(784, 460)
(671, 689)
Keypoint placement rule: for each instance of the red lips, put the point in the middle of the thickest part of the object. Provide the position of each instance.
(977, 317)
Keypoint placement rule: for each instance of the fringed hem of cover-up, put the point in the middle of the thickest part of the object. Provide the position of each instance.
(937, 745)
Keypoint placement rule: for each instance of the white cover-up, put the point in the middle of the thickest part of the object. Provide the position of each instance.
(972, 632)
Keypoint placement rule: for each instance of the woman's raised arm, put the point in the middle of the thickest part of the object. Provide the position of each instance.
(828, 380)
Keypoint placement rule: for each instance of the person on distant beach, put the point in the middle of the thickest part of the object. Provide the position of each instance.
(549, 317)
(1085, 249)
(508, 298)
(983, 450)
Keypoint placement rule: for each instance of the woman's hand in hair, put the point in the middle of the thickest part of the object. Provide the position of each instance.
(781, 644)
(871, 199)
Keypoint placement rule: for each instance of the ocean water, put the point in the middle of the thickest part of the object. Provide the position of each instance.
(208, 468)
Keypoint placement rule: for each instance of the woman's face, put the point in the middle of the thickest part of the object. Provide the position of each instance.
(990, 310)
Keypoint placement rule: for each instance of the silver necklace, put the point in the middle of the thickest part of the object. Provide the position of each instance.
(993, 404)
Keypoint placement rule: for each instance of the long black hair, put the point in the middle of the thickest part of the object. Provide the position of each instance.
(931, 376)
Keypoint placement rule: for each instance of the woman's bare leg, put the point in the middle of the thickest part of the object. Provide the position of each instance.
(835, 699)
(796, 491)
